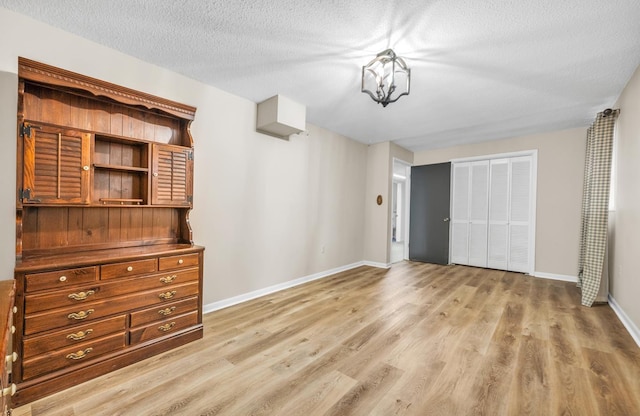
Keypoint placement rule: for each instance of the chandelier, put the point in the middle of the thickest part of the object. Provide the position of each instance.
(386, 78)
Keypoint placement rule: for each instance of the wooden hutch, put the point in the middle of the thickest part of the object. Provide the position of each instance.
(106, 270)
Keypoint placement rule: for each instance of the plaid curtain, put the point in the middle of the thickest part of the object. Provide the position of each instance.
(595, 204)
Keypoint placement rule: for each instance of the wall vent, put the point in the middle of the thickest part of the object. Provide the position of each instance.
(281, 117)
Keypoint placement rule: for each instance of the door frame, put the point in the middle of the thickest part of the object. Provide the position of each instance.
(532, 203)
(405, 209)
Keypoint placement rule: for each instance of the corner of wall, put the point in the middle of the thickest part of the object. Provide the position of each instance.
(376, 216)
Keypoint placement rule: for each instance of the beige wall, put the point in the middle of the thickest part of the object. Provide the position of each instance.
(8, 106)
(264, 207)
(625, 242)
(559, 191)
(377, 231)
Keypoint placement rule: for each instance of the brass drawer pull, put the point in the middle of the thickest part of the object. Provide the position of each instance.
(80, 335)
(130, 268)
(79, 355)
(168, 279)
(180, 261)
(81, 295)
(63, 278)
(168, 311)
(80, 315)
(167, 327)
(9, 391)
(167, 295)
(11, 358)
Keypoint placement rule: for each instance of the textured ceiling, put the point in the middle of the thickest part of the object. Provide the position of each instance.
(481, 70)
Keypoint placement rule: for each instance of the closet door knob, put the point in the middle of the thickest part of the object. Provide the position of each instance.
(446, 220)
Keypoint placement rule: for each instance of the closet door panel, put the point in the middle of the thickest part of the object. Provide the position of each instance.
(498, 240)
(499, 191)
(519, 220)
(478, 244)
(479, 191)
(519, 248)
(520, 189)
(459, 243)
(478, 209)
(460, 207)
(460, 213)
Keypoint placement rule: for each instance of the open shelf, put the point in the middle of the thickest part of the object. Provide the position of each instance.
(121, 201)
(121, 171)
(121, 168)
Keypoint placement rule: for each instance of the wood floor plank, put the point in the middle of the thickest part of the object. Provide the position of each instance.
(320, 395)
(412, 389)
(365, 395)
(613, 398)
(414, 340)
(449, 390)
(569, 385)
(530, 388)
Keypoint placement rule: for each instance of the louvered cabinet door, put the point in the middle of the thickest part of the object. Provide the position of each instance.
(56, 165)
(171, 182)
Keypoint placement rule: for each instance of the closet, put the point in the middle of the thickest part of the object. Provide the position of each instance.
(493, 212)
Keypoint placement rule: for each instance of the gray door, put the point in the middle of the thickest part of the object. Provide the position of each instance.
(429, 217)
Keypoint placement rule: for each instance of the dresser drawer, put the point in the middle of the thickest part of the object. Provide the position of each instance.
(164, 311)
(80, 295)
(162, 328)
(60, 278)
(126, 269)
(175, 262)
(73, 336)
(78, 314)
(77, 354)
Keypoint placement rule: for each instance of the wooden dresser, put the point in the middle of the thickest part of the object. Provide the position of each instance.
(7, 292)
(106, 270)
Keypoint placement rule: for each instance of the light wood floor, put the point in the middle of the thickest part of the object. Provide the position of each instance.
(417, 339)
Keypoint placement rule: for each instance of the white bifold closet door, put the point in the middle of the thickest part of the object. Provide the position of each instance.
(459, 240)
(491, 218)
(519, 214)
(498, 214)
(469, 213)
(479, 192)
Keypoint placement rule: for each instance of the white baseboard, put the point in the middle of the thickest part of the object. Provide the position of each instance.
(225, 303)
(626, 321)
(376, 264)
(553, 276)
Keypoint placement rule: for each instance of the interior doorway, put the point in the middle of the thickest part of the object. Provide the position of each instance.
(399, 247)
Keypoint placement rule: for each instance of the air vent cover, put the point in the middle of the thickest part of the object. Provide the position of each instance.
(281, 117)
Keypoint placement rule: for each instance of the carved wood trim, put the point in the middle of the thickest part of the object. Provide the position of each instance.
(39, 72)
